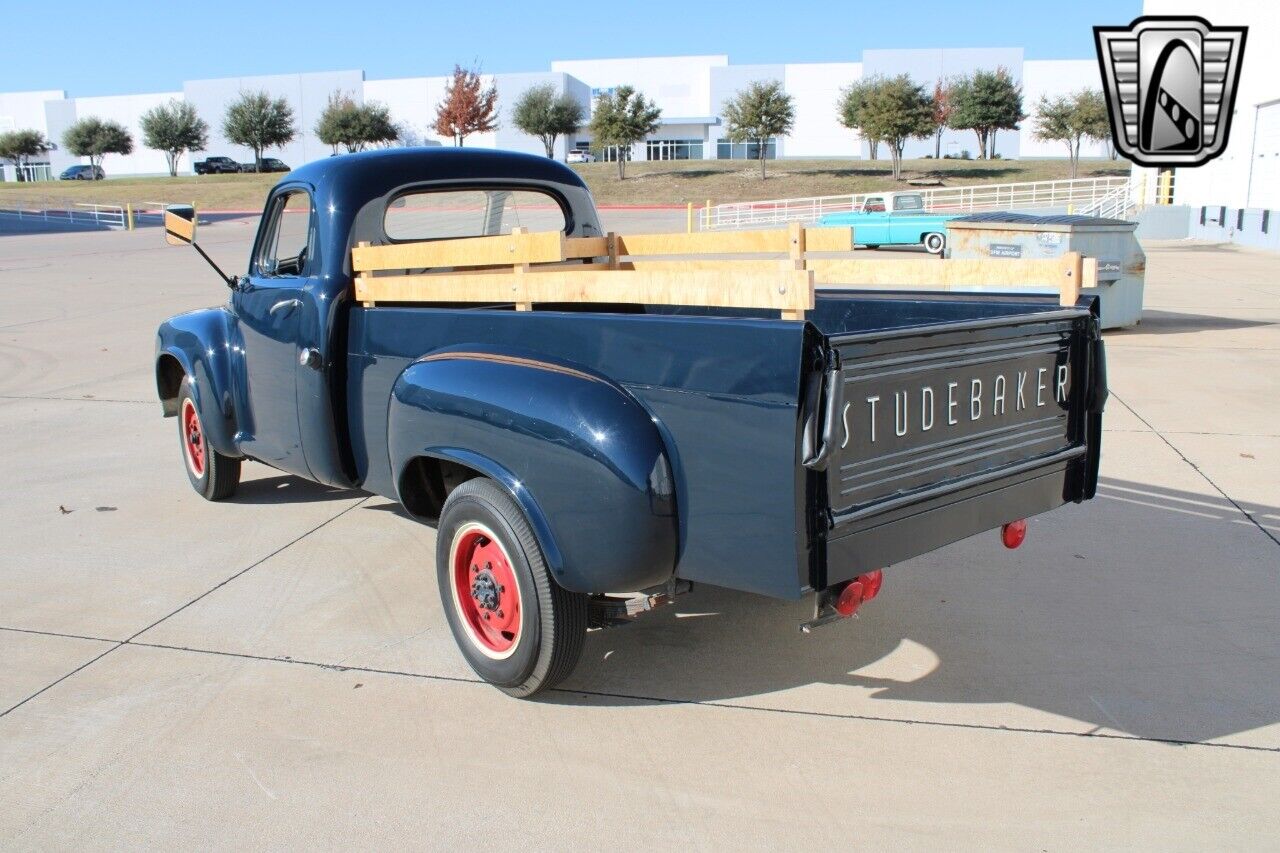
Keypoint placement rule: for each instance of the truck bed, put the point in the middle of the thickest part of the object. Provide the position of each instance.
(733, 393)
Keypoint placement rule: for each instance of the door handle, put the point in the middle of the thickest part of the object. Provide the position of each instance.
(285, 305)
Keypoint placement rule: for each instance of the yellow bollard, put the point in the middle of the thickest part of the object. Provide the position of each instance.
(688, 220)
(128, 216)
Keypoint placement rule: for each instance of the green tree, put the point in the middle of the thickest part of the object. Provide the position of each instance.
(849, 108)
(546, 114)
(758, 113)
(354, 126)
(894, 109)
(174, 128)
(18, 145)
(467, 107)
(94, 138)
(1072, 118)
(986, 102)
(258, 121)
(622, 118)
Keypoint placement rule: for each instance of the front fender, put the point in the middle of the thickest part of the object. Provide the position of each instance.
(201, 342)
(583, 458)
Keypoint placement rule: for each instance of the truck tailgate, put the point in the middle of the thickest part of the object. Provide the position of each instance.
(948, 430)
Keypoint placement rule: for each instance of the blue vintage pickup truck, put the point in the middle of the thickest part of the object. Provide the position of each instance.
(584, 461)
(895, 219)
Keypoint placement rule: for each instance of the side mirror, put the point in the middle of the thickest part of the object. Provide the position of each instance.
(180, 230)
(179, 225)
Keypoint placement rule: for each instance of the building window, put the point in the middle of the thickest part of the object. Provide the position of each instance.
(613, 153)
(726, 150)
(673, 149)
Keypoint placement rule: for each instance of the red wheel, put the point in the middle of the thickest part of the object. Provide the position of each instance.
(212, 474)
(515, 626)
(193, 438)
(485, 590)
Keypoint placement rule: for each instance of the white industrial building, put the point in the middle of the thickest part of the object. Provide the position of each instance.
(691, 91)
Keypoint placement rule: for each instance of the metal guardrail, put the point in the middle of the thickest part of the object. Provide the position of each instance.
(50, 210)
(1075, 193)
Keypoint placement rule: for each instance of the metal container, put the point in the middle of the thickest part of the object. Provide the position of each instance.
(1122, 265)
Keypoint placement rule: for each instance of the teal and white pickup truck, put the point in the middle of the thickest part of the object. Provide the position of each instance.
(894, 219)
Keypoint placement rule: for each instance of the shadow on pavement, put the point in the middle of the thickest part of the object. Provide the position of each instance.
(1171, 639)
(288, 489)
(1175, 322)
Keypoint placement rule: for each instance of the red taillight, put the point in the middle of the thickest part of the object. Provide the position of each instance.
(849, 599)
(871, 582)
(862, 588)
(1014, 533)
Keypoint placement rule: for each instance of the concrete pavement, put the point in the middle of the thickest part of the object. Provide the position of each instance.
(275, 671)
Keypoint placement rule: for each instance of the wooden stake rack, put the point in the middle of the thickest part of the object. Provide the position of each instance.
(769, 269)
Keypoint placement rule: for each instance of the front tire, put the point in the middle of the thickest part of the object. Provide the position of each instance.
(934, 243)
(213, 475)
(516, 627)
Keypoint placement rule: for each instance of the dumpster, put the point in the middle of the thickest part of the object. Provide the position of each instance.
(1122, 266)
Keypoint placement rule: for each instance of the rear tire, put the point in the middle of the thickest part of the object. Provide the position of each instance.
(515, 626)
(934, 243)
(213, 475)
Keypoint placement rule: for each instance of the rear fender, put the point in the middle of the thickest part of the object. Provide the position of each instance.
(201, 343)
(583, 458)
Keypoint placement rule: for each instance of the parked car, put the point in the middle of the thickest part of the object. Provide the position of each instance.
(82, 173)
(895, 219)
(592, 448)
(269, 164)
(580, 155)
(216, 166)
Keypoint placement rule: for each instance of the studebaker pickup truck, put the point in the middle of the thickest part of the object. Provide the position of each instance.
(894, 219)
(583, 461)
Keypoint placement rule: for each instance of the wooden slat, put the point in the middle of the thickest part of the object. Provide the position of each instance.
(727, 266)
(775, 289)
(536, 248)
(704, 243)
(586, 247)
(475, 287)
(828, 239)
(931, 273)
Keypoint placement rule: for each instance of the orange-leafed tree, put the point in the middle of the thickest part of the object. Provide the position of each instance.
(468, 107)
(942, 109)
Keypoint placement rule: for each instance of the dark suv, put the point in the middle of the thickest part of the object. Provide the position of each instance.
(216, 166)
(269, 164)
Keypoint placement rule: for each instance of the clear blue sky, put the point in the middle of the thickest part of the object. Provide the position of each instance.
(146, 46)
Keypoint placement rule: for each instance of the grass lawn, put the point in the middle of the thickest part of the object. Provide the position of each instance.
(668, 182)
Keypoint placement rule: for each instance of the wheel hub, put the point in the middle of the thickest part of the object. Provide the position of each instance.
(484, 589)
(193, 438)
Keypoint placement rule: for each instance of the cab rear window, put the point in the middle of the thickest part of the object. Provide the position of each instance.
(444, 214)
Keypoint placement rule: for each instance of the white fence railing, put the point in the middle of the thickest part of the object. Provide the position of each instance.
(53, 211)
(1117, 204)
(1076, 193)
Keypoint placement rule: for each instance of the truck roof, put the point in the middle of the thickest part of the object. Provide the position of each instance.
(373, 173)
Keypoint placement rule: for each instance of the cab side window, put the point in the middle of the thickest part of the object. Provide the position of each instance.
(875, 204)
(288, 242)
